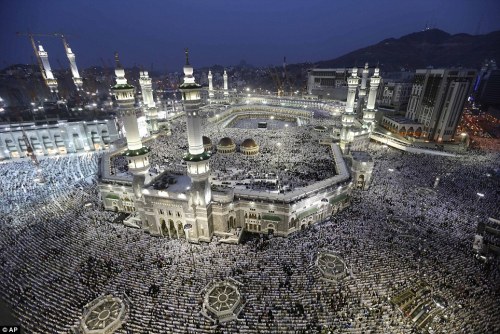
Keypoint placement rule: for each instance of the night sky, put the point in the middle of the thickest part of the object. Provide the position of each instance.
(226, 31)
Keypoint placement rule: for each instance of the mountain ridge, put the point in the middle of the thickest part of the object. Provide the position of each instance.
(432, 47)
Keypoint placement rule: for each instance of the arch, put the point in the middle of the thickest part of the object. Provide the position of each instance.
(163, 228)
(402, 131)
(105, 137)
(270, 229)
(418, 132)
(171, 228)
(410, 131)
(77, 142)
(361, 181)
(180, 230)
(232, 223)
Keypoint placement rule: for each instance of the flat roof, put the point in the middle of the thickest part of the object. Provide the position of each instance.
(171, 182)
(401, 119)
(361, 156)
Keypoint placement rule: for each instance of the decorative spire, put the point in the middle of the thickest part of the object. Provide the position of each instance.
(354, 71)
(117, 60)
(188, 72)
(186, 51)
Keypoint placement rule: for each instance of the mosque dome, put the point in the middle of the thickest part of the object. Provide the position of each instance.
(206, 140)
(207, 144)
(249, 143)
(226, 141)
(226, 145)
(249, 147)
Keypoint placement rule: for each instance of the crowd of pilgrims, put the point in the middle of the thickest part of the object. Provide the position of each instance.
(290, 156)
(59, 250)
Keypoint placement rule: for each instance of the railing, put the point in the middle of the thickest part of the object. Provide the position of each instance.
(342, 175)
(404, 146)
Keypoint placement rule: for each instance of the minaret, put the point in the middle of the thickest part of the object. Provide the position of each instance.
(369, 112)
(352, 83)
(210, 85)
(136, 154)
(198, 168)
(348, 116)
(149, 105)
(362, 91)
(226, 89)
(49, 76)
(72, 63)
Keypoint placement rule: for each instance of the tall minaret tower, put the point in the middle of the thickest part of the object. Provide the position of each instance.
(369, 112)
(226, 89)
(362, 91)
(136, 154)
(352, 84)
(49, 76)
(198, 168)
(210, 85)
(348, 116)
(149, 105)
(72, 63)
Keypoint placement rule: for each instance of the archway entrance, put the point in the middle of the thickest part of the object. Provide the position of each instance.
(171, 225)
(180, 230)
(164, 229)
(361, 181)
(232, 223)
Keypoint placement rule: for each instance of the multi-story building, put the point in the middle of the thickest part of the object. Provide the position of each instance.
(328, 83)
(56, 137)
(394, 95)
(437, 100)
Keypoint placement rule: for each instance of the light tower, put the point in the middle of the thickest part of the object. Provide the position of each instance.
(210, 85)
(226, 89)
(49, 76)
(198, 168)
(72, 63)
(136, 154)
(362, 91)
(149, 105)
(369, 112)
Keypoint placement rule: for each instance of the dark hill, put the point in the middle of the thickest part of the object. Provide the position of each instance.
(432, 47)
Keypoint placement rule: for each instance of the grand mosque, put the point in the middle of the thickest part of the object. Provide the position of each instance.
(196, 205)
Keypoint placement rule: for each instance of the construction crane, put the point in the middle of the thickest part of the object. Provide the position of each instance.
(30, 152)
(33, 44)
(276, 78)
(287, 84)
(63, 37)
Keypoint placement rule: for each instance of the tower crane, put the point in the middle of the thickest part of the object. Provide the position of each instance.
(286, 79)
(276, 78)
(30, 152)
(33, 44)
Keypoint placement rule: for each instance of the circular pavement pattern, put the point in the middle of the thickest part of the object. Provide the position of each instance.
(331, 266)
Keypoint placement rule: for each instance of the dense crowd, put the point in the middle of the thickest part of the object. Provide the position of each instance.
(288, 158)
(59, 251)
